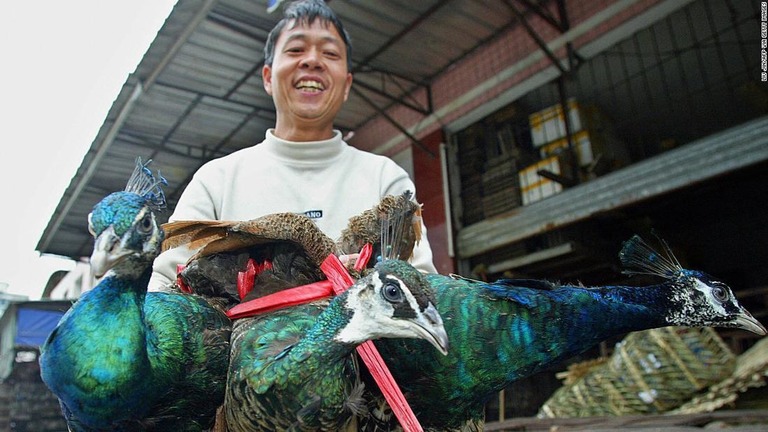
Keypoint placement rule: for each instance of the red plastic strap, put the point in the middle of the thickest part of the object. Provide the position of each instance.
(282, 299)
(338, 281)
(336, 273)
(365, 256)
(245, 279)
(180, 282)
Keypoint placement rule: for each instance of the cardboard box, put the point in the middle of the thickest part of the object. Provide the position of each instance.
(548, 124)
(534, 187)
(599, 152)
(583, 142)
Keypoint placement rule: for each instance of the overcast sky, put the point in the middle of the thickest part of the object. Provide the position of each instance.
(63, 64)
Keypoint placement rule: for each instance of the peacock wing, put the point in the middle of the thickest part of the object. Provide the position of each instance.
(287, 249)
(258, 380)
(189, 348)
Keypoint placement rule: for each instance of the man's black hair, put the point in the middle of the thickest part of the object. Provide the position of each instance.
(305, 12)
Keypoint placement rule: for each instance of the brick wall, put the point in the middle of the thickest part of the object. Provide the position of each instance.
(478, 78)
(26, 404)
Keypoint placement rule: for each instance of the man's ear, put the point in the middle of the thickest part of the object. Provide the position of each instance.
(348, 86)
(266, 75)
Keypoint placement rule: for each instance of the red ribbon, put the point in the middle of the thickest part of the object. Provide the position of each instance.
(341, 280)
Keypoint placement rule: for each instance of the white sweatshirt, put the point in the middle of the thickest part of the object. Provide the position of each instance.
(329, 181)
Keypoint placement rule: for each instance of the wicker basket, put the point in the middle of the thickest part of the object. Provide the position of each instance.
(751, 372)
(649, 372)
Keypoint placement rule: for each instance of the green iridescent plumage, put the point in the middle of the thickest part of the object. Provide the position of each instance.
(508, 330)
(294, 369)
(123, 359)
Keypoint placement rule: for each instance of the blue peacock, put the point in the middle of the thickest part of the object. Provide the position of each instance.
(122, 358)
(507, 330)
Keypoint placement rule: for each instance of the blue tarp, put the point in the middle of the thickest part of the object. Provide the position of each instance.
(34, 325)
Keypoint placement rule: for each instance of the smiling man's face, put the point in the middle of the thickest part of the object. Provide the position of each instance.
(308, 80)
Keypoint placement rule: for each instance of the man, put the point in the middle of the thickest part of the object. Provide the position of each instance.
(302, 166)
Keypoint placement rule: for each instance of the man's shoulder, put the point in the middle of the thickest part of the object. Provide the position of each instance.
(231, 159)
(369, 157)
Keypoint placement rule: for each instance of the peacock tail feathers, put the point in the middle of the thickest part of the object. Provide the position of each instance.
(393, 226)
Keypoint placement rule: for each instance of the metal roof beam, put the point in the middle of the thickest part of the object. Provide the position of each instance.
(393, 122)
(399, 100)
(546, 15)
(177, 192)
(250, 107)
(396, 38)
(82, 180)
(535, 36)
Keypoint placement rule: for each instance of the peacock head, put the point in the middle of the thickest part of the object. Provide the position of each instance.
(696, 298)
(128, 237)
(393, 301)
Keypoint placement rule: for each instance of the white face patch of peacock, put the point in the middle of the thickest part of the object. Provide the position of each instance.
(683, 304)
(392, 292)
(701, 302)
(376, 313)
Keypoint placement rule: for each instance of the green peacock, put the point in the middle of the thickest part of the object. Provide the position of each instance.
(293, 369)
(122, 358)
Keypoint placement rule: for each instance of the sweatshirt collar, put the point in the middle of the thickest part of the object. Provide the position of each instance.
(305, 151)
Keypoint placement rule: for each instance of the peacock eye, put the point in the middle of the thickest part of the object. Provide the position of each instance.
(720, 293)
(145, 225)
(392, 292)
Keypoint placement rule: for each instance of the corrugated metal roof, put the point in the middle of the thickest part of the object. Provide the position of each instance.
(197, 93)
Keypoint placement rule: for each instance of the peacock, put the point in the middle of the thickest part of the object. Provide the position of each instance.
(293, 369)
(283, 250)
(507, 330)
(122, 358)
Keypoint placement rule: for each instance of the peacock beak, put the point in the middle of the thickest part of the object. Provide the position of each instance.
(433, 330)
(745, 321)
(107, 252)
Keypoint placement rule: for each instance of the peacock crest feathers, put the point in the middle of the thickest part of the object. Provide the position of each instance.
(638, 257)
(144, 184)
(119, 209)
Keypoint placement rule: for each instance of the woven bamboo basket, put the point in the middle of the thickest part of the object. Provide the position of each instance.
(652, 371)
(751, 372)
